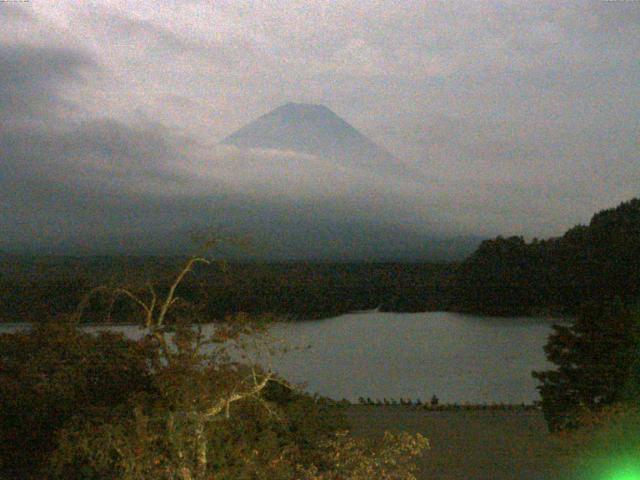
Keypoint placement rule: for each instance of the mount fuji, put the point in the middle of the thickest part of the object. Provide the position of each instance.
(311, 129)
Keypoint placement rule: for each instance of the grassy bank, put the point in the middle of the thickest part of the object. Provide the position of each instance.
(470, 443)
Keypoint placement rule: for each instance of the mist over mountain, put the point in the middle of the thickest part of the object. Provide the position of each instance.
(126, 148)
(90, 223)
(311, 129)
(299, 181)
(346, 226)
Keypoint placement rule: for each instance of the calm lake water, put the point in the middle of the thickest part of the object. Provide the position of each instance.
(459, 358)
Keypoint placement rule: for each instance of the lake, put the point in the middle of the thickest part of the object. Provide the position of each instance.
(459, 358)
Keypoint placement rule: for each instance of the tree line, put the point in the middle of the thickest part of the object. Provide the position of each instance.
(589, 263)
(504, 276)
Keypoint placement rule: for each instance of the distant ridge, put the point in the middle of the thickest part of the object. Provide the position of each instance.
(311, 129)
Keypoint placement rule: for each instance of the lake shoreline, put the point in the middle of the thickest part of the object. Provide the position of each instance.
(290, 319)
(380, 356)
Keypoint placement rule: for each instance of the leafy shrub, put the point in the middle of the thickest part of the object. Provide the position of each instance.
(173, 405)
(596, 358)
(53, 373)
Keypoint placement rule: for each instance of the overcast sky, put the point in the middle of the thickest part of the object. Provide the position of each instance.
(518, 117)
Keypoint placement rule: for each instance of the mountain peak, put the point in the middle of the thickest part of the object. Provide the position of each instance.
(311, 129)
(310, 107)
(306, 111)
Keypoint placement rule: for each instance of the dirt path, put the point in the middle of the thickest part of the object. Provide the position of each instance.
(472, 444)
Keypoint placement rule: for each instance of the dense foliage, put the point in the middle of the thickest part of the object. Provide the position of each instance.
(593, 263)
(504, 276)
(178, 404)
(597, 359)
(53, 373)
(33, 288)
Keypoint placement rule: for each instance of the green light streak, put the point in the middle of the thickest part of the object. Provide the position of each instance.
(628, 471)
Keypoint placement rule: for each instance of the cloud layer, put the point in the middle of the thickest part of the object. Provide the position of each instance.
(512, 118)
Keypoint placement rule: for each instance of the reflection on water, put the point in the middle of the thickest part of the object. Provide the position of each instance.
(459, 358)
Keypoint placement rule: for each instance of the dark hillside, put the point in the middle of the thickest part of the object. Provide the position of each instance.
(596, 262)
(504, 276)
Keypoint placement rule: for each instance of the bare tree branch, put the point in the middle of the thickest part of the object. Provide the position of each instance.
(170, 296)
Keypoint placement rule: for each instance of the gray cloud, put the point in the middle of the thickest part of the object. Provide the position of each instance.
(14, 12)
(29, 78)
(100, 185)
(514, 118)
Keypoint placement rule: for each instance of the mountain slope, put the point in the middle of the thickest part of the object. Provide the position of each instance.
(310, 129)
